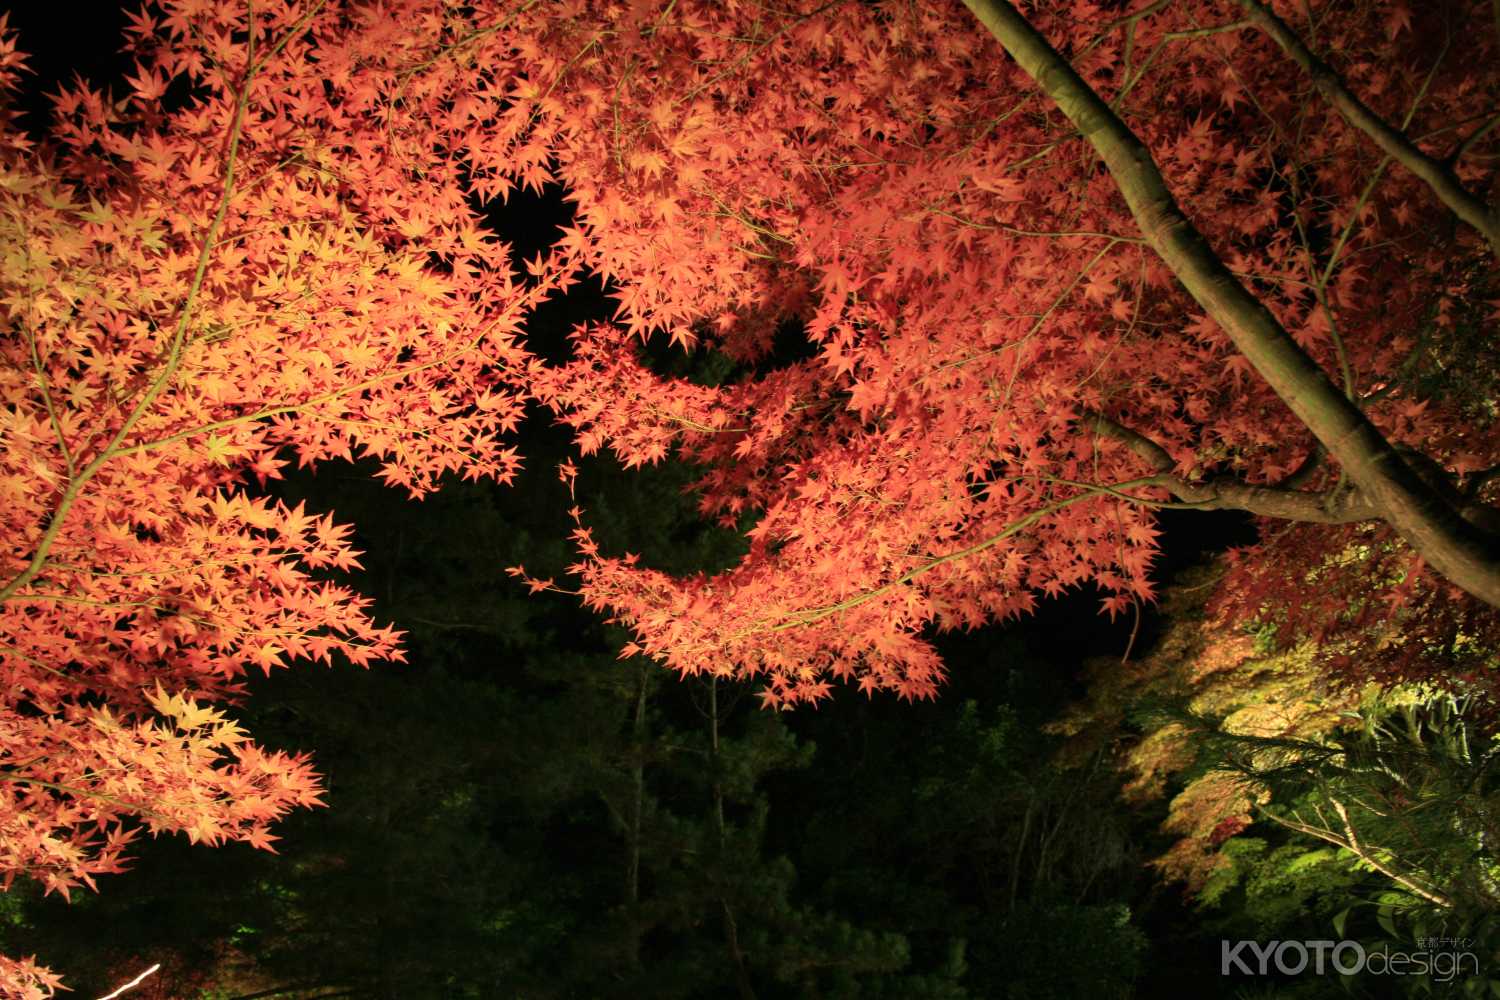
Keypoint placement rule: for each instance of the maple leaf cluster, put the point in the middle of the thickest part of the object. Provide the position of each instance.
(246, 258)
(1366, 604)
(23, 979)
(975, 293)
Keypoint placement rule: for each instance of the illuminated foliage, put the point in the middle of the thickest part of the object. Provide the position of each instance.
(1001, 374)
(965, 363)
(191, 288)
(1200, 673)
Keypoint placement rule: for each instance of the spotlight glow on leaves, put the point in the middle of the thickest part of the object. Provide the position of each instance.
(999, 378)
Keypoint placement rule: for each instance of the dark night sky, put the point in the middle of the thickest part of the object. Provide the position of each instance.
(63, 38)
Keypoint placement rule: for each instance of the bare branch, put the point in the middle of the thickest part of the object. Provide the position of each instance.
(1349, 842)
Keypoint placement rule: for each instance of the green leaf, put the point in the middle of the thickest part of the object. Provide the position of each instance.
(1383, 917)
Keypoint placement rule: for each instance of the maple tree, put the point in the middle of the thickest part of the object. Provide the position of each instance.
(191, 287)
(1272, 298)
(1014, 357)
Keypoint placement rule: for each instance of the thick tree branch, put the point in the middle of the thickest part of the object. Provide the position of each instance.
(1468, 505)
(1392, 141)
(1465, 555)
(1302, 473)
(1154, 454)
(1333, 507)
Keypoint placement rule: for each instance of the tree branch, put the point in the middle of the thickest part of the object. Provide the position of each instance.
(1462, 149)
(800, 618)
(1393, 142)
(173, 358)
(1302, 473)
(1222, 493)
(1431, 895)
(1348, 843)
(1464, 554)
(1154, 454)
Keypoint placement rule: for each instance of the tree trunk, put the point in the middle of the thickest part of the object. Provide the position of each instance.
(633, 833)
(731, 926)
